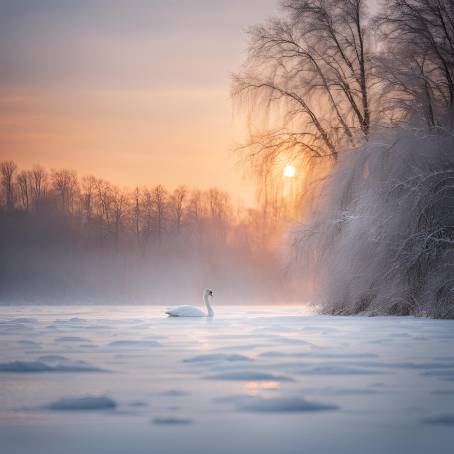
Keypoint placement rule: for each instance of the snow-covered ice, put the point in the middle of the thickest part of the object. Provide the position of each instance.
(110, 379)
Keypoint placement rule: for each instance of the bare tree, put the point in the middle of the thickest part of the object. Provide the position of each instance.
(136, 212)
(195, 206)
(8, 169)
(38, 185)
(66, 187)
(119, 201)
(160, 210)
(421, 34)
(176, 206)
(309, 71)
(220, 209)
(23, 183)
(87, 196)
(147, 215)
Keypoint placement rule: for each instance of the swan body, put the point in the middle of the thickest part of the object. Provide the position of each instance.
(191, 311)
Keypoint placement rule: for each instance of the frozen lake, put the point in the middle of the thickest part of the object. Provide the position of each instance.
(105, 379)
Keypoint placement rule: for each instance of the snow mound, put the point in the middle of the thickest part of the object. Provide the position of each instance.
(175, 393)
(336, 355)
(134, 343)
(39, 366)
(138, 403)
(25, 366)
(274, 354)
(172, 420)
(248, 376)
(83, 403)
(444, 392)
(447, 419)
(52, 358)
(25, 320)
(27, 342)
(442, 374)
(284, 405)
(217, 357)
(338, 370)
(71, 339)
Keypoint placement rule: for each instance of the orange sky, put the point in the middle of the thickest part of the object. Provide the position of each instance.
(136, 92)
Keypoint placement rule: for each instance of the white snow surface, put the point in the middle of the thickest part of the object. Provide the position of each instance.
(111, 379)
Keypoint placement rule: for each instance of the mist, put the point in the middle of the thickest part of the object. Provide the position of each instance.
(71, 240)
(323, 325)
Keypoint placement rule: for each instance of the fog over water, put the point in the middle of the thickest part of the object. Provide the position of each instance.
(69, 239)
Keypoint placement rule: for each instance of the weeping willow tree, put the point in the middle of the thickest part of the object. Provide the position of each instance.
(364, 107)
(306, 85)
(416, 65)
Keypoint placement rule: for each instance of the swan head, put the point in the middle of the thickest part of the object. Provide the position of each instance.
(208, 292)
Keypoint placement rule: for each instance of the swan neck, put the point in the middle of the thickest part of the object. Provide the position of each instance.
(206, 298)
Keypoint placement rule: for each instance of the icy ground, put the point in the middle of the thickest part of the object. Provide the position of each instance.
(253, 380)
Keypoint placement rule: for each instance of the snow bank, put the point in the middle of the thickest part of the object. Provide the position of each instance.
(134, 343)
(447, 419)
(380, 236)
(171, 420)
(248, 376)
(83, 403)
(284, 405)
(71, 339)
(217, 357)
(39, 366)
(175, 393)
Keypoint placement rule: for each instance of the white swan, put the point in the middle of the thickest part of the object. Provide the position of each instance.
(191, 311)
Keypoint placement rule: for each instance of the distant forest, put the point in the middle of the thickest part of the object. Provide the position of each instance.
(65, 239)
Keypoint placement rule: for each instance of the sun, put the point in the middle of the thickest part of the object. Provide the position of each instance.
(289, 171)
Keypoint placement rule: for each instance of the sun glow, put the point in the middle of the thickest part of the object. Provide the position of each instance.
(289, 171)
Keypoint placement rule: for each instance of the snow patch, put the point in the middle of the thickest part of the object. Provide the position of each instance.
(39, 366)
(248, 376)
(134, 343)
(338, 370)
(28, 343)
(447, 419)
(84, 403)
(171, 420)
(175, 393)
(71, 339)
(52, 358)
(217, 357)
(284, 405)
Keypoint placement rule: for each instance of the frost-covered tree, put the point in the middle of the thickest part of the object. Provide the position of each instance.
(416, 61)
(375, 94)
(381, 237)
(309, 73)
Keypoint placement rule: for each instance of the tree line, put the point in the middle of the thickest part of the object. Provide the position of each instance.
(86, 236)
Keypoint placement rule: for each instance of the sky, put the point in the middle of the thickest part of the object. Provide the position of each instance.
(134, 91)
